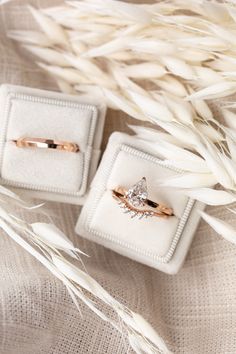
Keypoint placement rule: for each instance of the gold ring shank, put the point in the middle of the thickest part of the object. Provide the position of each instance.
(157, 209)
(42, 143)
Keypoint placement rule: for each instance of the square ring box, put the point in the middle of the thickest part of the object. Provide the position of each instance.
(161, 243)
(49, 173)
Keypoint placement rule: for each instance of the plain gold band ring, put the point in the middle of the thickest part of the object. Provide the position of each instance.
(42, 143)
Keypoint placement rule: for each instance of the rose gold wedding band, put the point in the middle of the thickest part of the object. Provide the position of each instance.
(42, 143)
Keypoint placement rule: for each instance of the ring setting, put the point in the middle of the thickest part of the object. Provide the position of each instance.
(135, 202)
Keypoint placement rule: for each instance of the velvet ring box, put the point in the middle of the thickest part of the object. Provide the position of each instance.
(49, 173)
(161, 243)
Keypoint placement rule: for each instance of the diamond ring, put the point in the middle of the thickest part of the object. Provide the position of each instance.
(135, 202)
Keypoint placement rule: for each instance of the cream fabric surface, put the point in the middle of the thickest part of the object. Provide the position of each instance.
(195, 310)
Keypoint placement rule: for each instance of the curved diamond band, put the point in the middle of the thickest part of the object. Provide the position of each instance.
(135, 202)
(42, 143)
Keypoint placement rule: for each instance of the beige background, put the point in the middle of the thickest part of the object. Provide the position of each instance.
(195, 311)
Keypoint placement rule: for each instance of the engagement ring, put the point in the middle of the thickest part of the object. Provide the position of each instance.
(135, 202)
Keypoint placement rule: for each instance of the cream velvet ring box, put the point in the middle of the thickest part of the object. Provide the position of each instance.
(159, 242)
(64, 122)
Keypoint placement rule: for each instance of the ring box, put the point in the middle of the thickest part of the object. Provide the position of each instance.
(161, 243)
(49, 173)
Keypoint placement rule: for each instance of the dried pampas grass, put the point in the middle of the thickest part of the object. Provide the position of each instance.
(160, 63)
(49, 246)
(177, 46)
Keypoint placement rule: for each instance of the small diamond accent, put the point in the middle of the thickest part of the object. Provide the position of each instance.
(137, 194)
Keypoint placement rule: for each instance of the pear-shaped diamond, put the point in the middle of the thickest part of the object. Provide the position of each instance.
(137, 194)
